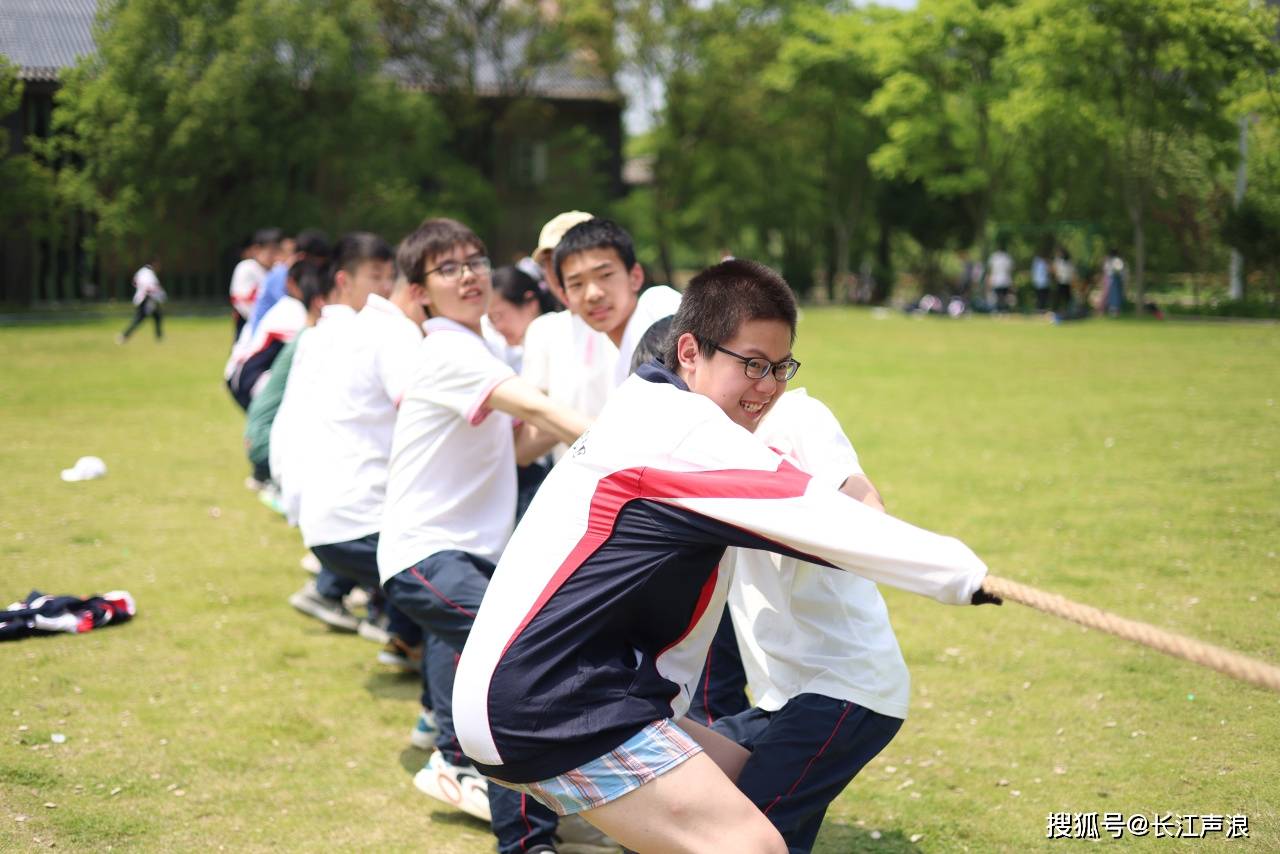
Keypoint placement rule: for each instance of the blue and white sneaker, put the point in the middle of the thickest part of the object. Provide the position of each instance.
(425, 731)
(459, 786)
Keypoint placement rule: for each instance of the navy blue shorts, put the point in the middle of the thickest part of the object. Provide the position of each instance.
(803, 756)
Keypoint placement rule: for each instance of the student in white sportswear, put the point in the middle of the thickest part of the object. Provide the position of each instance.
(148, 296)
(829, 681)
(248, 276)
(596, 265)
(299, 454)
(451, 497)
(563, 357)
(601, 609)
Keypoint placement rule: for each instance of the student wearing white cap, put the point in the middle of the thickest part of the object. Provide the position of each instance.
(569, 361)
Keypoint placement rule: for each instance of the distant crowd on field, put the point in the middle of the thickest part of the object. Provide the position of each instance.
(633, 572)
(1058, 287)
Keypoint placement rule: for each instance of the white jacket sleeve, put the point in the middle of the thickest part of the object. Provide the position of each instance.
(777, 507)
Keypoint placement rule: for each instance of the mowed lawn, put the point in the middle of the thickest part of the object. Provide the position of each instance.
(1132, 466)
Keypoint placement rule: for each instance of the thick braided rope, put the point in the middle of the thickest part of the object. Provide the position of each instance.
(1233, 664)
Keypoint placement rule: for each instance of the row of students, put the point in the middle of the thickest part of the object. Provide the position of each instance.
(363, 372)
(441, 450)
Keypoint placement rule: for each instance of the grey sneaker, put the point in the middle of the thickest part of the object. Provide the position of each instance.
(331, 612)
(374, 630)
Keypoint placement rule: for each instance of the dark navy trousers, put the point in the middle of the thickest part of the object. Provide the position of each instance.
(722, 688)
(803, 756)
(346, 565)
(442, 594)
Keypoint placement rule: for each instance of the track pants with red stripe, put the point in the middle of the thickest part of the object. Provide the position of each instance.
(442, 594)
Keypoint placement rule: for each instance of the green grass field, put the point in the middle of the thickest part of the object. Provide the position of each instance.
(1133, 466)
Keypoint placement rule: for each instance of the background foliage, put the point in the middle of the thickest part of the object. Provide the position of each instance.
(848, 144)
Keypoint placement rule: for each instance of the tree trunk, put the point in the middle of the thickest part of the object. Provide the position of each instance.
(1236, 273)
(1139, 258)
(884, 272)
(838, 287)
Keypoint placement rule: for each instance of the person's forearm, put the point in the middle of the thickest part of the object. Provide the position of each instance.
(520, 400)
(562, 423)
(532, 444)
(860, 488)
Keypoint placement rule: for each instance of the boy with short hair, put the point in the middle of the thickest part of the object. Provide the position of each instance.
(830, 685)
(311, 244)
(601, 610)
(565, 358)
(451, 496)
(247, 278)
(351, 414)
(596, 265)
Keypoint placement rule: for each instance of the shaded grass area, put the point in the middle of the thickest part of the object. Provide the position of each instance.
(1133, 466)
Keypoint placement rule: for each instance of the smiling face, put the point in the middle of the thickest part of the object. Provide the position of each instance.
(722, 377)
(512, 320)
(601, 290)
(464, 300)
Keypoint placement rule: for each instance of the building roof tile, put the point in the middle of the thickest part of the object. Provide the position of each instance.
(41, 37)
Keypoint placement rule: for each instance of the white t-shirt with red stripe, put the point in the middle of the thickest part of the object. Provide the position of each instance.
(452, 477)
(246, 282)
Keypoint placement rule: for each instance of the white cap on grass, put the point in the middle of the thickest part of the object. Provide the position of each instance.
(86, 468)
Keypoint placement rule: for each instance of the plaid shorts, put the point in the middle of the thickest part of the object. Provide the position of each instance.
(651, 752)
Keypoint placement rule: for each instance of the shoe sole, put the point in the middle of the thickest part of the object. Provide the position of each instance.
(447, 791)
(399, 662)
(370, 632)
(333, 621)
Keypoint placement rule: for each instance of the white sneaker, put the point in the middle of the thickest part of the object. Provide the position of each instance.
(459, 786)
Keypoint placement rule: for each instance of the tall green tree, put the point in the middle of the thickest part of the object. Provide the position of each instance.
(946, 78)
(198, 120)
(1143, 74)
(822, 81)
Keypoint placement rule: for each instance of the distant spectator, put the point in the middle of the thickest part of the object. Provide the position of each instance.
(147, 297)
(1000, 277)
(1064, 275)
(1040, 281)
(1113, 283)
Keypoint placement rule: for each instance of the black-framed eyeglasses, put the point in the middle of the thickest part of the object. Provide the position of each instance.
(757, 368)
(451, 271)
